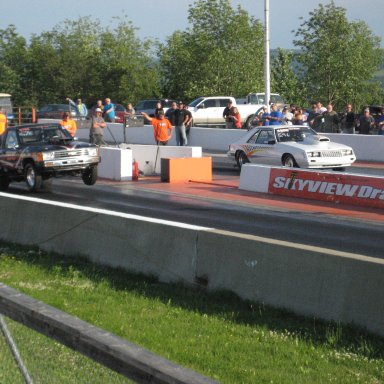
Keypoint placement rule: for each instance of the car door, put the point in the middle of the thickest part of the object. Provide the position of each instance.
(201, 111)
(262, 148)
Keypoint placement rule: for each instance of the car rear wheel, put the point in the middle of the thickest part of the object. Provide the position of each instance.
(289, 161)
(32, 178)
(4, 183)
(89, 176)
(241, 158)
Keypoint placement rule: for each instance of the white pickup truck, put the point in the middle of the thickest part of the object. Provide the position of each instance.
(208, 111)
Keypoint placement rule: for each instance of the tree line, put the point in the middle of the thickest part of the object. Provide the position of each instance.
(219, 53)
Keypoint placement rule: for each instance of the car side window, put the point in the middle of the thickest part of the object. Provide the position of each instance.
(253, 138)
(11, 140)
(224, 102)
(210, 103)
(264, 137)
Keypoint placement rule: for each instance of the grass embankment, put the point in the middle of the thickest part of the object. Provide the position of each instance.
(216, 334)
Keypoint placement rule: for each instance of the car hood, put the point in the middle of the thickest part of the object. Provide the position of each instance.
(314, 142)
(59, 147)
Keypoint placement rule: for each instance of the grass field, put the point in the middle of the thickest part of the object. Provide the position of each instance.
(214, 333)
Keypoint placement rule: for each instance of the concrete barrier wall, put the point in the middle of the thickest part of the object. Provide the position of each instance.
(308, 280)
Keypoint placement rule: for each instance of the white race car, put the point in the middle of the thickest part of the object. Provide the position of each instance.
(290, 146)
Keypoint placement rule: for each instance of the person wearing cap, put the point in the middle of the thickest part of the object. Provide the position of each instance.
(179, 119)
(287, 116)
(365, 122)
(276, 117)
(68, 124)
(162, 127)
(97, 128)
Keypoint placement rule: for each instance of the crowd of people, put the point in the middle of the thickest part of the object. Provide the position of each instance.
(178, 117)
(323, 119)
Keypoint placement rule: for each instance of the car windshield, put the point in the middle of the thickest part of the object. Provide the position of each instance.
(42, 134)
(195, 102)
(293, 134)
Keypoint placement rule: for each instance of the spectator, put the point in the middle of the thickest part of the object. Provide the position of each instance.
(365, 122)
(178, 119)
(68, 124)
(320, 108)
(380, 123)
(314, 118)
(331, 120)
(158, 108)
(235, 117)
(348, 120)
(79, 107)
(265, 117)
(298, 118)
(129, 111)
(3, 121)
(109, 111)
(227, 114)
(99, 104)
(188, 120)
(162, 127)
(287, 116)
(170, 111)
(97, 127)
(276, 116)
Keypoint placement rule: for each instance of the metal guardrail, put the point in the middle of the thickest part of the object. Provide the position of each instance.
(112, 351)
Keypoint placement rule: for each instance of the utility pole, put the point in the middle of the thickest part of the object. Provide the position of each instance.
(267, 70)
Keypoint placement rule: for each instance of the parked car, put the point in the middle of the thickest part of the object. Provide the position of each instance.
(119, 113)
(149, 105)
(290, 146)
(54, 111)
(35, 153)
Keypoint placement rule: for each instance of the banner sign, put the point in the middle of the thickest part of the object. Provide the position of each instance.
(332, 187)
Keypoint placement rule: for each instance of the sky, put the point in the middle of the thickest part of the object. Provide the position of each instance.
(160, 18)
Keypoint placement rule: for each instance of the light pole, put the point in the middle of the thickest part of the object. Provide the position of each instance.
(267, 74)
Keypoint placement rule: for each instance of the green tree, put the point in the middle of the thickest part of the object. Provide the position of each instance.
(284, 79)
(220, 54)
(81, 59)
(337, 57)
(14, 59)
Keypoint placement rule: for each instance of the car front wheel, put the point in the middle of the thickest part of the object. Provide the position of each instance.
(89, 176)
(241, 158)
(32, 178)
(289, 161)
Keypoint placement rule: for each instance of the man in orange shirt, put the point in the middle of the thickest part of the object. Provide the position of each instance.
(162, 128)
(68, 124)
(3, 121)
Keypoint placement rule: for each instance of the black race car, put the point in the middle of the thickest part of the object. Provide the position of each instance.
(35, 153)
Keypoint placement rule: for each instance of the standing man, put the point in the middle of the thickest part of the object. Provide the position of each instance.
(169, 112)
(68, 124)
(109, 111)
(178, 119)
(348, 120)
(79, 107)
(97, 127)
(227, 115)
(365, 122)
(162, 127)
(276, 117)
(188, 120)
(331, 120)
(3, 121)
